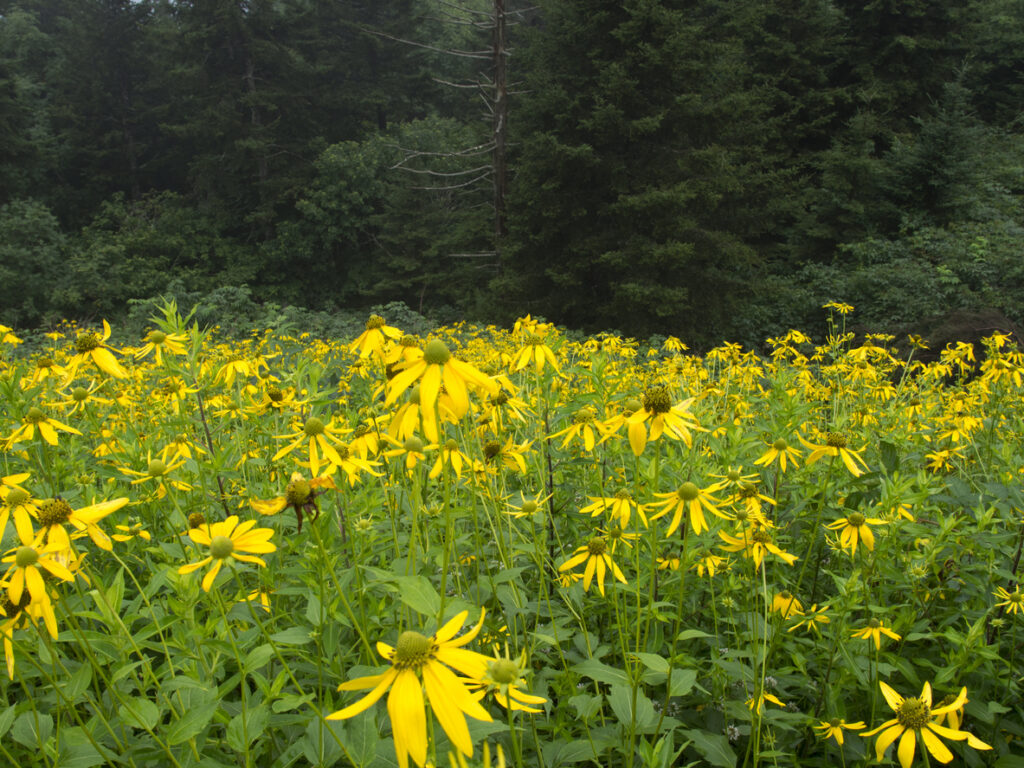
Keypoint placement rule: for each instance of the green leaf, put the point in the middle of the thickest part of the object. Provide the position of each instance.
(291, 701)
(191, 723)
(620, 698)
(140, 713)
(6, 719)
(713, 747)
(78, 683)
(319, 745)
(653, 662)
(243, 731)
(74, 750)
(419, 594)
(315, 613)
(32, 729)
(889, 455)
(683, 681)
(292, 636)
(690, 634)
(258, 657)
(362, 740)
(601, 672)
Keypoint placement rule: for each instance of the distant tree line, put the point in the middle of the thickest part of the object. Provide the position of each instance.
(710, 169)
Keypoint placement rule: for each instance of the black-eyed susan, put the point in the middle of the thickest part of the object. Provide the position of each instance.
(374, 338)
(874, 630)
(420, 663)
(438, 366)
(690, 499)
(595, 553)
(225, 539)
(35, 418)
(854, 528)
(300, 494)
(657, 411)
(833, 729)
(92, 347)
(916, 719)
(835, 445)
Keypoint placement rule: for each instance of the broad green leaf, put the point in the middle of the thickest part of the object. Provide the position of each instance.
(78, 683)
(75, 750)
(6, 720)
(419, 594)
(258, 657)
(243, 731)
(292, 636)
(601, 672)
(620, 698)
(653, 662)
(139, 713)
(191, 723)
(713, 747)
(32, 729)
(682, 682)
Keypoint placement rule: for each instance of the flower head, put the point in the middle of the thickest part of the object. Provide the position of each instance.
(228, 539)
(599, 561)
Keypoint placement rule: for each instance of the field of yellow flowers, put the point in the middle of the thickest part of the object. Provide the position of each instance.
(508, 547)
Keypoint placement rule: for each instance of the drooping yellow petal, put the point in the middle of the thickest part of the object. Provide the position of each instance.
(939, 750)
(380, 684)
(408, 718)
(905, 751)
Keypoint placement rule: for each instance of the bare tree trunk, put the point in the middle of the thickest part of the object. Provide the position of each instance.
(500, 124)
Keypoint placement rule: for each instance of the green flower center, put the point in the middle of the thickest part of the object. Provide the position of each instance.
(597, 546)
(529, 507)
(221, 547)
(504, 671)
(499, 399)
(780, 445)
(913, 714)
(374, 321)
(451, 446)
(1016, 597)
(413, 444)
(657, 400)
(413, 650)
(786, 595)
(297, 492)
(408, 340)
(733, 475)
(632, 405)
(275, 394)
(313, 427)
(360, 430)
(54, 512)
(79, 394)
(874, 623)
(26, 557)
(436, 352)
(856, 519)
(835, 722)
(624, 495)
(835, 440)
(688, 491)
(583, 416)
(44, 362)
(760, 536)
(492, 449)
(86, 342)
(17, 496)
(156, 337)
(343, 452)
(748, 491)
(196, 519)
(35, 415)
(156, 468)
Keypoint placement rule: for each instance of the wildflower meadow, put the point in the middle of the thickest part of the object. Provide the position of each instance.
(509, 547)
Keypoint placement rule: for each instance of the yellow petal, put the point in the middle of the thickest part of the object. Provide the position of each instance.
(408, 719)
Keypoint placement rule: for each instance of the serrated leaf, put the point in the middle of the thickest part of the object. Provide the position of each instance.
(242, 731)
(713, 747)
(419, 594)
(139, 713)
(6, 719)
(191, 723)
(32, 729)
(75, 750)
(682, 682)
(258, 657)
(620, 698)
(601, 672)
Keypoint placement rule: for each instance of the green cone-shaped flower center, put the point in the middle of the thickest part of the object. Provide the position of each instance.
(343, 452)
(657, 400)
(408, 340)
(632, 405)
(624, 495)
(156, 337)
(492, 449)
(500, 399)
(856, 519)
(157, 468)
(748, 491)
(54, 512)
(17, 496)
(733, 475)
(297, 492)
(221, 547)
(874, 623)
(26, 557)
(436, 352)
(780, 445)
(504, 671)
(583, 416)
(597, 546)
(760, 536)
(688, 491)
(835, 440)
(313, 427)
(35, 415)
(786, 595)
(44, 362)
(275, 394)
(412, 650)
(913, 714)
(86, 342)
(79, 394)
(360, 430)
(529, 507)
(374, 321)
(196, 519)
(450, 445)
(413, 444)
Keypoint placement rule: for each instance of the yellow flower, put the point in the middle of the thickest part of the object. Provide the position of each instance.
(676, 421)
(227, 539)
(374, 338)
(158, 470)
(710, 563)
(619, 507)
(812, 619)
(755, 544)
(158, 342)
(36, 419)
(688, 498)
(129, 532)
(584, 422)
(300, 494)
(782, 451)
(535, 351)
(503, 678)
(874, 631)
(90, 346)
(451, 456)
(1012, 601)
(833, 729)
(508, 453)
(16, 501)
(785, 603)
(24, 575)
(56, 513)
(321, 438)
(437, 366)
(421, 663)
(756, 703)
(853, 528)
(915, 717)
(835, 446)
(412, 450)
(599, 561)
